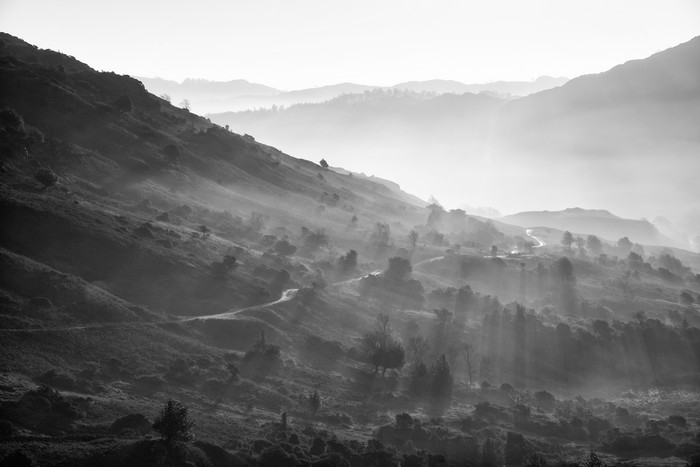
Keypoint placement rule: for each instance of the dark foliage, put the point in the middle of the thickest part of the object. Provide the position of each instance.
(173, 423)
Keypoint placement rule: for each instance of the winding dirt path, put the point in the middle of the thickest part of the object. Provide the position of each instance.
(539, 241)
(286, 296)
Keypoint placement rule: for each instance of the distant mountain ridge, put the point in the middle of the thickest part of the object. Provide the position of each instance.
(626, 139)
(207, 96)
(504, 88)
(599, 222)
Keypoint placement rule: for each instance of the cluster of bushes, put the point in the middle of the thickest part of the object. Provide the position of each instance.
(395, 285)
(262, 358)
(43, 409)
(436, 381)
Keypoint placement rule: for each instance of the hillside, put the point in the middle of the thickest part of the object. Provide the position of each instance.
(589, 221)
(174, 293)
(196, 90)
(635, 121)
(210, 97)
(625, 139)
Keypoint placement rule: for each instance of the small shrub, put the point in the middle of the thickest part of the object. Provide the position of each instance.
(284, 248)
(123, 104)
(172, 152)
(46, 177)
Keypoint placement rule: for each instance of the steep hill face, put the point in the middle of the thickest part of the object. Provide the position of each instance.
(654, 101)
(634, 125)
(137, 178)
(123, 131)
(590, 221)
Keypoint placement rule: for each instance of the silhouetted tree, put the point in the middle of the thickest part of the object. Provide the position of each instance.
(348, 262)
(381, 235)
(566, 240)
(185, 104)
(381, 349)
(625, 245)
(442, 379)
(635, 261)
(594, 245)
(284, 248)
(420, 380)
(417, 349)
(262, 357)
(173, 422)
(323, 163)
(399, 269)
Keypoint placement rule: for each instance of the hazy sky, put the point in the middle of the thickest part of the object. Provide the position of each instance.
(294, 44)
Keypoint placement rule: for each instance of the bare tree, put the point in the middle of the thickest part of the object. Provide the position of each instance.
(417, 349)
(185, 104)
(566, 240)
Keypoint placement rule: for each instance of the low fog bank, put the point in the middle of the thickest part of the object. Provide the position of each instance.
(460, 168)
(625, 140)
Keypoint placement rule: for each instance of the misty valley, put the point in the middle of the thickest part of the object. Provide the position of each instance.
(176, 292)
